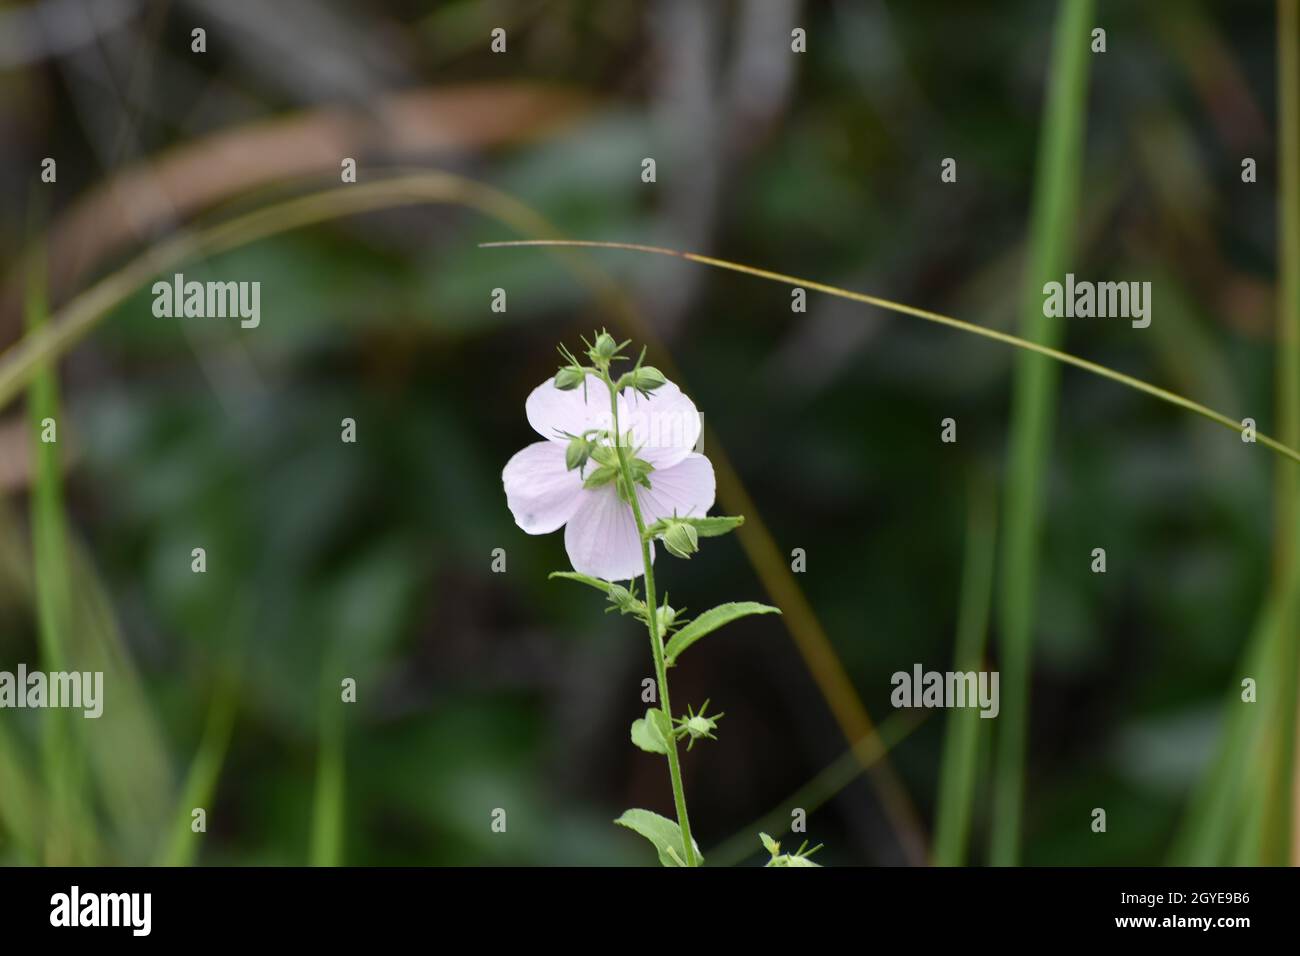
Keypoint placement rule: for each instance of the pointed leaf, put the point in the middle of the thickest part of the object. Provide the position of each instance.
(665, 834)
(715, 526)
(710, 527)
(710, 621)
(586, 579)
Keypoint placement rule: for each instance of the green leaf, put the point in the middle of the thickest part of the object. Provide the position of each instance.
(717, 525)
(711, 527)
(586, 579)
(665, 834)
(647, 732)
(710, 621)
(661, 723)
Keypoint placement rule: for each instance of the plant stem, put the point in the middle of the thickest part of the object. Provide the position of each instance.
(652, 623)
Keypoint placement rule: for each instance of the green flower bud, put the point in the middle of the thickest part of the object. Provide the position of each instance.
(647, 378)
(699, 727)
(605, 348)
(696, 726)
(797, 858)
(576, 455)
(681, 539)
(569, 378)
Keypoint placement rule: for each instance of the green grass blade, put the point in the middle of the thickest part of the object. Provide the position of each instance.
(1278, 842)
(182, 847)
(327, 806)
(957, 771)
(1055, 210)
(1218, 802)
(60, 744)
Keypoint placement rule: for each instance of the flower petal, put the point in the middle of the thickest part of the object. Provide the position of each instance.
(666, 425)
(553, 412)
(541, 493)
(601, 537)
(687, 487)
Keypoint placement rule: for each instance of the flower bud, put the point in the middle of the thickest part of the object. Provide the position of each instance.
(681, 539)
(646, 378)
(604, 349)
(576, 455)
(700, 726)
(569, 378)
(696, 726)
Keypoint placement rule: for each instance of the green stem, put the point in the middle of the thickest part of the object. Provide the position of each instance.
(652, 623)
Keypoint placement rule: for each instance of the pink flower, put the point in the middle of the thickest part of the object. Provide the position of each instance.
(599, 531)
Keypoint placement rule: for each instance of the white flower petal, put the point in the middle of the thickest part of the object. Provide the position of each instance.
(553, 412)
(688, 487)
(666, 425)
(601, 537)
(541, 494)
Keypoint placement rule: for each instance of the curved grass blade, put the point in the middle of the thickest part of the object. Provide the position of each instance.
(1006, 338)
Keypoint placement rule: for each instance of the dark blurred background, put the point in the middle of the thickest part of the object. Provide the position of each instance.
(480, 690)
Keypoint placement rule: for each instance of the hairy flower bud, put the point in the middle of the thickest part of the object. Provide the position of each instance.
(647, 378)
(696, 726)
(577, 453)
(603, 350)
(569, 378)
(681, 539)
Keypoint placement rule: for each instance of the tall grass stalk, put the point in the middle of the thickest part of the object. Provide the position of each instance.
(1280, 842)
(961, 746)
(1207, 833)
(182, 845)
(59, 742)
(327, 803)
(1055, 210)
